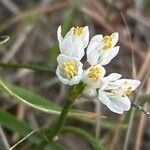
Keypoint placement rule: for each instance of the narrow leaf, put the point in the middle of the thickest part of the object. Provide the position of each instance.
(8, 120)
(41, 103)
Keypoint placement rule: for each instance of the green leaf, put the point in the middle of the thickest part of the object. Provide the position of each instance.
(4, 39)
(30, 98)
(28, 66)
(41, 103)
(8, 120)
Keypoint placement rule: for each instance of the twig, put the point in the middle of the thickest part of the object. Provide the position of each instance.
(15, 145)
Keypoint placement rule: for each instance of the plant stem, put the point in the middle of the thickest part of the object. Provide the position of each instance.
(74, 92)
(139, 108)
(61, 119)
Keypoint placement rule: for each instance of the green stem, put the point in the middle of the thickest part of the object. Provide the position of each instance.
(139, 108)
(61, 120)
(31, 67)
(74, 92)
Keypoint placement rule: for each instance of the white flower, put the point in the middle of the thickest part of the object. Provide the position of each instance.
(69, 69)
(81, 33)
(93, 76)
(101, 50)
(74, 42)
(114, 92)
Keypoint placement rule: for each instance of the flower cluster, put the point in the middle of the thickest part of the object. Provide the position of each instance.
(110, 90)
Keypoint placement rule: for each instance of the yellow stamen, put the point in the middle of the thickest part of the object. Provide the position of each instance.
(107, 46)
(107, 42)
(78, 31)
(128, 91)
(94, 72)
(107, 38)
(69, 68)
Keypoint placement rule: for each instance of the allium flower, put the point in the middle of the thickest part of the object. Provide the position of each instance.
(93, 76)
(74, 42)
(69, 69)
(101, 50)
(114, 92)
(78, 32)
(111, 90)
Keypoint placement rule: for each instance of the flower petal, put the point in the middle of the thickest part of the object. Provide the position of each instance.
(120, 103)
(114, 108)
(92, 57)
(85, 37)
(112, 77)
(95, 43)
(115, 38)
(79, 71)
(133, 83)
(103, 98)
(95, 83)
(63, 80)
(72, 48)
(59, 36)
(108, 56)
(69, 33)
(61, 58)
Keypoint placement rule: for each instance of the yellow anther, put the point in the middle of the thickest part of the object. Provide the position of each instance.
(94, 72)
(78, 31)
(69, 68)
(128, 91)
(107, 46)
(107, 42)
(107, 38)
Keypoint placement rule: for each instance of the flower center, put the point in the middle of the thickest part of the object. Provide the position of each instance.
(69, 68)
(107, 40)
(128, 91)
(94, 72)
(78, 30)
